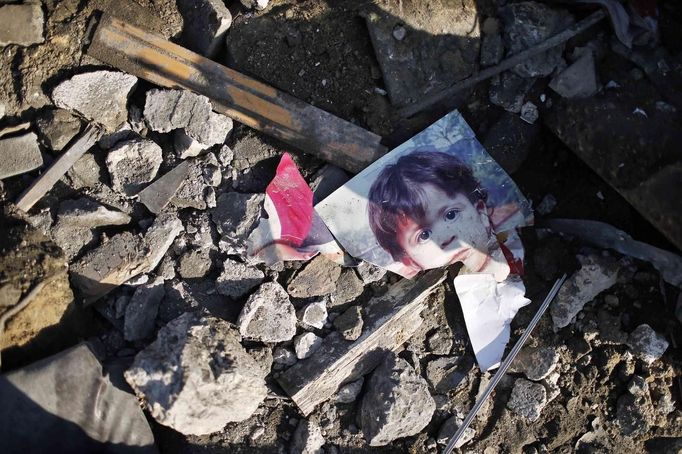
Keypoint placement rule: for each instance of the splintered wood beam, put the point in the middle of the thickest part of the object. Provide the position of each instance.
(389, 321)
(59, 167)
(262, 107)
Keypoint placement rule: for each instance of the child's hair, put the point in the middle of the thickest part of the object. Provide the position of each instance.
(397, 192)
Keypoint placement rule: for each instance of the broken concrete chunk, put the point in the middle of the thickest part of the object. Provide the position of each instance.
(166, 110)
(578, 80)
(237, 279)
(448, 430)
(536, 363)
(527, 399)
(370, 273)
(211, 132)
(132, 164)
(255, 4)
(235, 216)
(111, 264)
(193, 191)
(314, 315)
(508, 91)
(283, 356)
(350, 323)
(206, 24)
(306, 344)
(142, 309)
(327, 180)
(75, 221)
(510, 140)
(317, 278)
(57, 127)
(349, 392)
(195, 264)
(348, 288)
(19, 155)
(527, 24)
(633, 414)
(397, 403)
(85, 173)
(307, 439)
(529, 113)
(159, 238)
(21, 24)
(268, 316)
(647, 343)
(157, 195)
(596, 274)
(196, 377)
(100, 96)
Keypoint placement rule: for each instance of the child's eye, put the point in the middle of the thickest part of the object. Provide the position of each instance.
(424, 235)
(452, 214)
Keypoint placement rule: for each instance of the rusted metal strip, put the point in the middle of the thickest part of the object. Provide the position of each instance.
(242, 98)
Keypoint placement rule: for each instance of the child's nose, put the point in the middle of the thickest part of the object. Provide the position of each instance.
(447, 241)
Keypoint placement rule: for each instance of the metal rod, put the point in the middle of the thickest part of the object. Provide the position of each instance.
(504, 366)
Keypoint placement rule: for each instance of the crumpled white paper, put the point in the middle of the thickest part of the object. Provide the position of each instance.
(489, 307)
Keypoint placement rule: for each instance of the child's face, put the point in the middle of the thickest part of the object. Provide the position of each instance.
(453, 230)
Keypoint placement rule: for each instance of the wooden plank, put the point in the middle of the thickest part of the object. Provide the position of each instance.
(47, 180)
(240, 97)
(389, 321)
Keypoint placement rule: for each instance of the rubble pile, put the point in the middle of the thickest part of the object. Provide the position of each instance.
(152, 223)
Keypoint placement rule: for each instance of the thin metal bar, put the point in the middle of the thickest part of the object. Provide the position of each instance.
(505, 365)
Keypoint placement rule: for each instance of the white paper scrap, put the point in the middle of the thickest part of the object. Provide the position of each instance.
(489, 307)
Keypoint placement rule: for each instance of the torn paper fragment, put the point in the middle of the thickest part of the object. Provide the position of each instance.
(489, 307)
(437, 199)
(292, 230)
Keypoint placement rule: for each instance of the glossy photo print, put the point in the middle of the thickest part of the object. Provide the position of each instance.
(437, 199)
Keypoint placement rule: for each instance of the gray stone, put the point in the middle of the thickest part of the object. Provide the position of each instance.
(527, 399)
(57, 128)
(350, 391)
(76, 220)
(647, 343)
(527, 24)
(492, 49)
(194, 139)
(166, 268)
(283, 356)
(237, 279)
(193, 191)
(317, 278)
(439, 343)
(546, 205)
(579, 80)
(100, 96)
(160, 236)
(206, 24)
(638, 387)
(448, 430)
(536, 363)
(235, 216)
(21, 24)
(551, 384)
(610, 331)
(445, 373)
(348, 288)
(85, 173)
(195, 264)
(350, 323)
(397, 403)
(596, 274)
(306, 344)
(19, 155)
(225, 156)
(124, 132)
(141, 311)
(166, 110)
(196, 377)
(268, 316)
(370, 273)
(508, 91)
(157, 195)
(327, 180)
(314, 315)
(132, 164)
(529, 113)
(307, 439)
(632, 415)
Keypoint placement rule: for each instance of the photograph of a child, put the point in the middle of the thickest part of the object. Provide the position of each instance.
(435, 200)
